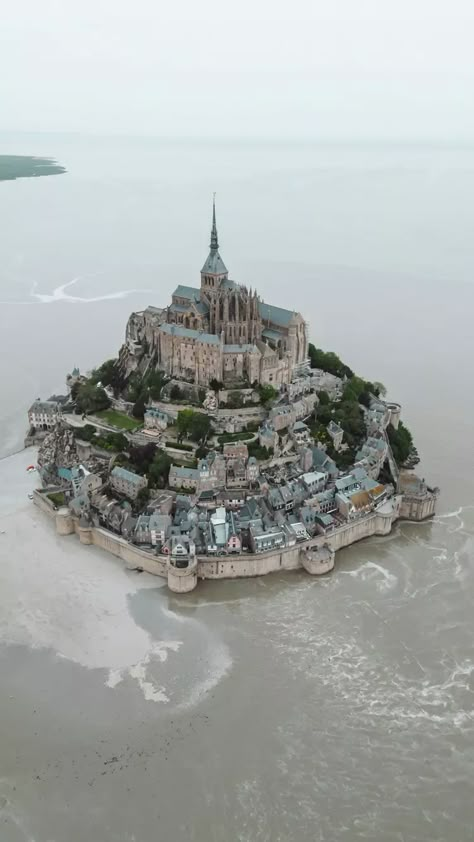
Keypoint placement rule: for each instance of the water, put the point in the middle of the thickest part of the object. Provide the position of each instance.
(272, 709)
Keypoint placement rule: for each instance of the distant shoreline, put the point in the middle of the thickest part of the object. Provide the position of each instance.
(27, 166)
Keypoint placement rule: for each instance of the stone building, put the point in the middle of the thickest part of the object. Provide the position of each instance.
(44, 415)
(337, 434)
(127, 482)
(220, 330)
(156, 419)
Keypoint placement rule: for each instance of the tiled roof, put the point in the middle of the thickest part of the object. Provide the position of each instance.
(360, 499)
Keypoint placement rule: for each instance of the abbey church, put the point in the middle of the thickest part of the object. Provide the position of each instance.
(221, 330)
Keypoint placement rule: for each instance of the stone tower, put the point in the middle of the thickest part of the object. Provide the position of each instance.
(233, 310)
(214, 270)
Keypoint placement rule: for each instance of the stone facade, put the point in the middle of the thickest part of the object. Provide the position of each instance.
(127, 482)
(219, 331)
(44, 415)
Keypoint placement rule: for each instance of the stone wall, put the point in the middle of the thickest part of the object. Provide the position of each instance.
(418, 508)
(247, 564)
(44, 503)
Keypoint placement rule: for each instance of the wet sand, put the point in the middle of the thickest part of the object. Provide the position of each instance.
(260, 709)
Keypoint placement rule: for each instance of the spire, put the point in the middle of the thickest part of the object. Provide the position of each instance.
(214, 244)
(214, 264)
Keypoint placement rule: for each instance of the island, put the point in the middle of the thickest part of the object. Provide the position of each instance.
(222, 443)
(27, 166)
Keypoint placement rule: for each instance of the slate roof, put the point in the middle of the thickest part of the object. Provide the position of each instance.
(201, 307)
(44, 406)
(268, 333)
(160, 521)
(178, 330)
(324, 519)
(128, 476)
(226, 283)
(214, 264)
(334, 428)
(276, 315)
(188, 473)
(179, 308)
(312, 477)
(192, 293)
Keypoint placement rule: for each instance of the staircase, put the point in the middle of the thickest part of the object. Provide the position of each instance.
(394, 470)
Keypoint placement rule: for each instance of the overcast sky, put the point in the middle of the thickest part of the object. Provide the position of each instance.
(300, 68)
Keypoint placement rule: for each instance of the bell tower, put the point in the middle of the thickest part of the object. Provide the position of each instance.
(214, 270)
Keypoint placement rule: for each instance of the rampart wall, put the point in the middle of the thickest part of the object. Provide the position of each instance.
(246, 564)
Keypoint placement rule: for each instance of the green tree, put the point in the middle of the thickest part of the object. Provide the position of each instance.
(184, 422)
(134, 386)
(201, 452)
(379, 389)
(91, 398)
(154, 382)
(159, 470)
(193, 425)
(216, 385)
(109, 374)
(118, 441)
(139, 407)
(87, 432)
(324, 399)
(176, 394)
(200, 427)
(141, 457)
(328, 361)
(401, 442)
(267, 393)
(142, 498)
(354, 389)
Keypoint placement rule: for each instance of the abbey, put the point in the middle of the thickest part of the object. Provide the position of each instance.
(221, 330)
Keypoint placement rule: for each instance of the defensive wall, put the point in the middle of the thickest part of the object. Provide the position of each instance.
(316, 555)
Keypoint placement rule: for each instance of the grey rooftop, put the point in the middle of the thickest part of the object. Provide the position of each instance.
(188, 333)
(128, 476)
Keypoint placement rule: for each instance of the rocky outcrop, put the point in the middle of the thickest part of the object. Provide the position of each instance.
(58, 448)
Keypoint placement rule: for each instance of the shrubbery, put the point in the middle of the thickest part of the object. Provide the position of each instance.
(328, 361)
(401, 442)
(179, 445)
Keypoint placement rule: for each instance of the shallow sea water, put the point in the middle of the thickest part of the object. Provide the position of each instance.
(278, 708)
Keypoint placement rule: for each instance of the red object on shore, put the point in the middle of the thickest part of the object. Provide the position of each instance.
(31, 468)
